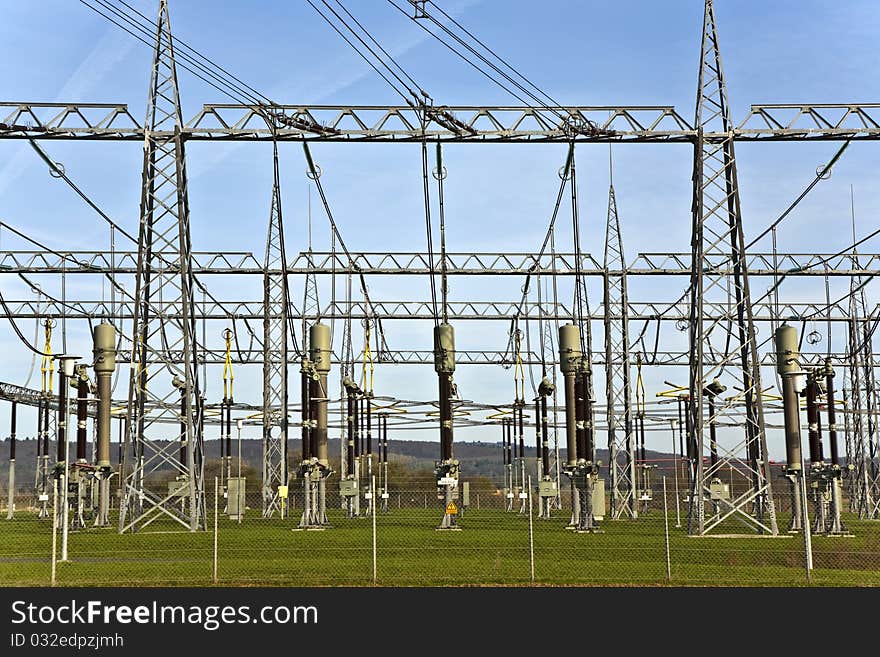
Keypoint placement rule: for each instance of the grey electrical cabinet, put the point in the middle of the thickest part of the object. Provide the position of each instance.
(465, 494)
(235, 501)
(348, 487)
(547, 488)
(599, 498)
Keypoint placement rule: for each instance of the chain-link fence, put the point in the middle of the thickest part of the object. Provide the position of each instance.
(499, 537)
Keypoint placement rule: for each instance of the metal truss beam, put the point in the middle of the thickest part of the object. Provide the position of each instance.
(457, 264)
(461, 310)
(359, 124)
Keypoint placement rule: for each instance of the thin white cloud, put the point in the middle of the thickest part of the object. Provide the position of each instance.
(110, 50)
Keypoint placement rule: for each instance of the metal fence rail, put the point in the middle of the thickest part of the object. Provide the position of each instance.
(399, 544)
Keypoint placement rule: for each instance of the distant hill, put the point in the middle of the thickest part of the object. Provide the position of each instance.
(478, 459)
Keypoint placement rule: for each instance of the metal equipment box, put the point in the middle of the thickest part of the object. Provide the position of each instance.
(599, 498)
(465, 494)
(178, 488)
(546, 488)
(235, 501)
(348, 487)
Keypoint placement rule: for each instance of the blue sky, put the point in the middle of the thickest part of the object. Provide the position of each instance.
(499, 198)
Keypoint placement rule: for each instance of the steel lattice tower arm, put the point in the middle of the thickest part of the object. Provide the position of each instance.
(717, 231)
(275, 326)
(169, 386)
(621, 466)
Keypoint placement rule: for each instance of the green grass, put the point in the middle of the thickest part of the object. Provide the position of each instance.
(491, 549)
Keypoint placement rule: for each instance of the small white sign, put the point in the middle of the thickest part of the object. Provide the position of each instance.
(385, 496)
(523, 496)
(448, 481)
(368, 496)
(44, 498)
(510, 496)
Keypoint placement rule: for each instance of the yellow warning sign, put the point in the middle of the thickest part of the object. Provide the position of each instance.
(282, 492)
(451, 509)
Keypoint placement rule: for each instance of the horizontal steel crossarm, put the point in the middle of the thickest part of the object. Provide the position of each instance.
(351, 124)
(68, 120)
(394, 310)
(457, 264)
(810, 121)
(403, 123)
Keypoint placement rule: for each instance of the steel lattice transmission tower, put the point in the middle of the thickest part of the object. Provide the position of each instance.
(718, 234)
(163, 421)
(275, 327)
(621, 465)
(862, 448)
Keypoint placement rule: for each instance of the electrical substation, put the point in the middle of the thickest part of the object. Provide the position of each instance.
(761, 427)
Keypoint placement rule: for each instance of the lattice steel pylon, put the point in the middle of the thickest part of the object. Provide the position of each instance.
(621, 459)
(275, 327)
(164, 373)
(864, 446)
(717, 232)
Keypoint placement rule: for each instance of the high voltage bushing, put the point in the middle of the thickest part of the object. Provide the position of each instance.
(793, 382)
(104, 364)
(315, 465)
(104, 339)
(446, 469)
(587, 492)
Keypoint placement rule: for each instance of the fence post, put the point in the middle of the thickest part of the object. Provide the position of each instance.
(216, 503)
(666, 533)
(54, 527)
(373, 514)
(478, 501)
(531, 536)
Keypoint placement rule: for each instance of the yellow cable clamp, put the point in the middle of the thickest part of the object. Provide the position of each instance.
(47, 364)
(367, 381)
(228, 376)
(640, 387)
(519, 375)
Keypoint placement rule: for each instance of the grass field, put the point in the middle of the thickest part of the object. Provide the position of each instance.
(491, 549)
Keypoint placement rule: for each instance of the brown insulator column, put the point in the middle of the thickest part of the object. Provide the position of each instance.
(579, 416)
(305, 381)
(82, 415)
(61, 456)
(813, 418)
(12, 423)
(545, 389)
(444, 365)
(713, 444)
(569, 359)
(832, 415)
(39, 430)
(351, 409)
(589, 435)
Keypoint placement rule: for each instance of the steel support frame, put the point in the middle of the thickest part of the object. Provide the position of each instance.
(618, 409)
(170, 385)
(717, 230)
(274, 469)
